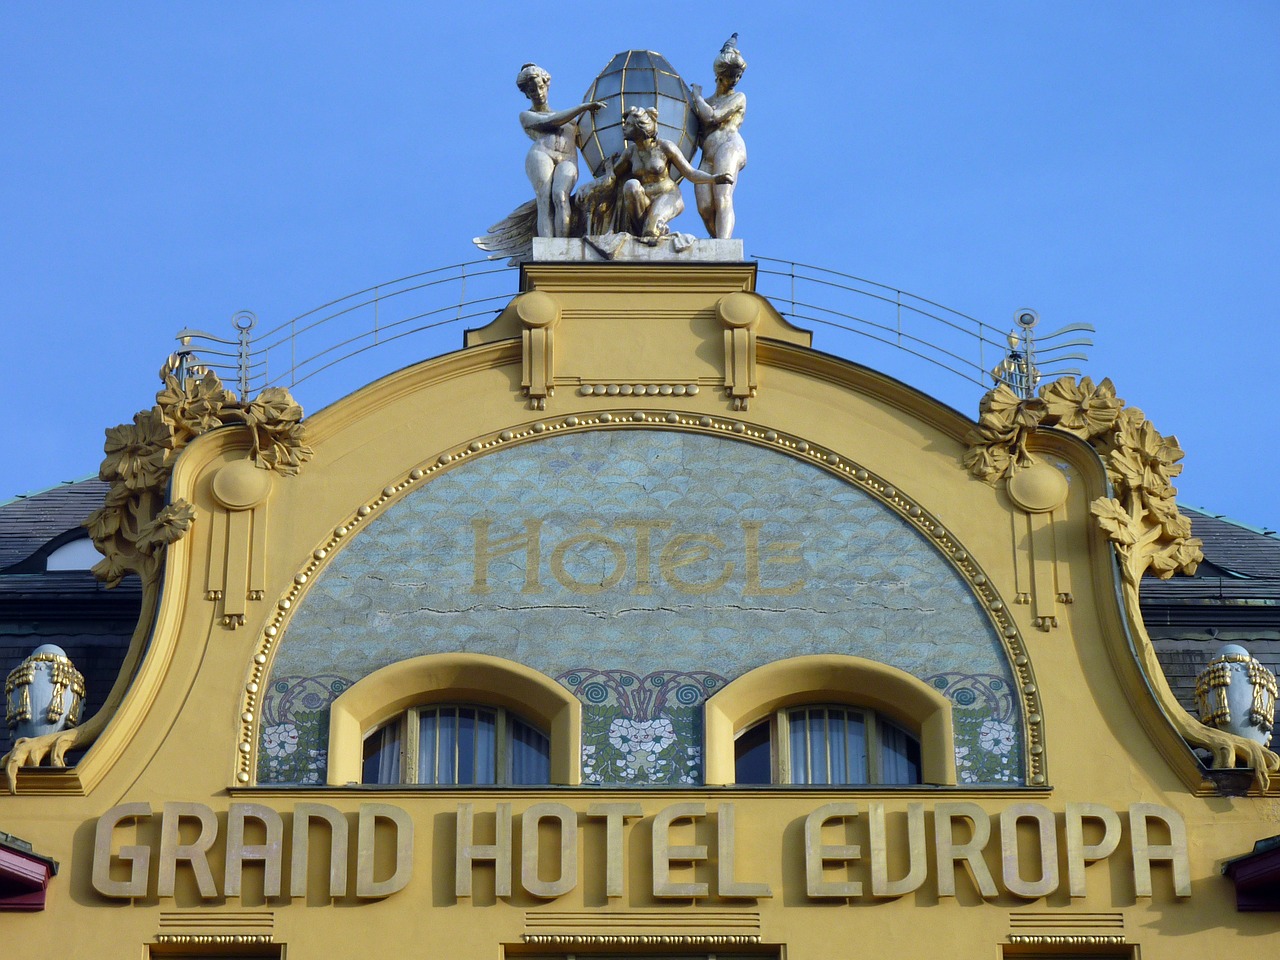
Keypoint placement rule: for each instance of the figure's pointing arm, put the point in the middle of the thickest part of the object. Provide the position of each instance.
(551, 122)
(697, 176)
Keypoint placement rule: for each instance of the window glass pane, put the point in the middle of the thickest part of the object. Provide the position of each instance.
(428, 731)
(382, 755)
(447, 757)
(530, 754)
(752, 755)
(466, 763)
(899, 754)
(485, 765)
(836, 723)
(819, 744)
(856, 745)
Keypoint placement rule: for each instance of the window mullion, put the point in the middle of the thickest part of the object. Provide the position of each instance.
(501, 747)
(780, 729)
(409, 739)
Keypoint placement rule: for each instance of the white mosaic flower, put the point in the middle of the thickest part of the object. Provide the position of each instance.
(996, 736)
(280, 739)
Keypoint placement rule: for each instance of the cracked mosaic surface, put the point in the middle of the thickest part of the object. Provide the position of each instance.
(642, 554)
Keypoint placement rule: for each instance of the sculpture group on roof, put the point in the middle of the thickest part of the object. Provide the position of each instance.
(636, 187)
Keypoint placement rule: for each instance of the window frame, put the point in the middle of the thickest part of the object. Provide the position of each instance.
(471, 678)
(410, 723)
(837, 679)
(780, 744)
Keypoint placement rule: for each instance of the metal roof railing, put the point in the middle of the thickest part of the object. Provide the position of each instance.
(856, 313)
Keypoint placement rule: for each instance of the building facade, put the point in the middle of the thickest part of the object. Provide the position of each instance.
(638, 627)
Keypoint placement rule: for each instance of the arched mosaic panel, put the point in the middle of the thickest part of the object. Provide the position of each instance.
(643, 569)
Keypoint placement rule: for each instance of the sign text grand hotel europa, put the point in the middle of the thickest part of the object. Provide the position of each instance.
(691, 843)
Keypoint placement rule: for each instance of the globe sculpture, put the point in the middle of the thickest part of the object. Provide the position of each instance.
(636, 78)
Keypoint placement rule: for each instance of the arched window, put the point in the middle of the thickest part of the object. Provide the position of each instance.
(457, 744)
(455, 718)
(826, 744)
(828, 719)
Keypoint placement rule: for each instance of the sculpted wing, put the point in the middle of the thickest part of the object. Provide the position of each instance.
(512, 236)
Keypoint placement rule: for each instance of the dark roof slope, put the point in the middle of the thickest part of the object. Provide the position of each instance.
(1235, 547)
(29, 523)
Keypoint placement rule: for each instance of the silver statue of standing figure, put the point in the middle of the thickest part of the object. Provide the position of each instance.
(552, 162)
(723, 150)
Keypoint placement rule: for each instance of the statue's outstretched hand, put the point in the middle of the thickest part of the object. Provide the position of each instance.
(596, 105)
(724, 178)
(697, 89)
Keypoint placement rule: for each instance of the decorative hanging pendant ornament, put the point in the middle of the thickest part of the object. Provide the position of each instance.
(44, 693)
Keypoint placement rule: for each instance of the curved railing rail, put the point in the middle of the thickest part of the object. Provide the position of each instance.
(860, 317)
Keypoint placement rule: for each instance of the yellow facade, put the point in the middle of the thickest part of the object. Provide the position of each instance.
(1104, 840)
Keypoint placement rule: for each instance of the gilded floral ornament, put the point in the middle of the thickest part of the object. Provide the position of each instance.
(274, 419)
(134, 526)
(1141, 518)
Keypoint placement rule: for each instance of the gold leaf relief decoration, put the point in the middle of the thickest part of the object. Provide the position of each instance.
(134, 526)
(1141, 518)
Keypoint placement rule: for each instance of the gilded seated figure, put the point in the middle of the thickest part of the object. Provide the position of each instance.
(650, 195)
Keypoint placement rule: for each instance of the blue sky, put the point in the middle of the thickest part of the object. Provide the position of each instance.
(166, 165)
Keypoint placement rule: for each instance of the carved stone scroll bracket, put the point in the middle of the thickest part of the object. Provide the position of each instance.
(236, 573)
(539, 313)
(740, 314)
(1039, 491)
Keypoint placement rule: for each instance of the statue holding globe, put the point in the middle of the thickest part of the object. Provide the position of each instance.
(638, 128)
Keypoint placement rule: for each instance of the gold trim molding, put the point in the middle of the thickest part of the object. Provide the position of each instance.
(641, 939)
(928, 525)
(1066, 940)
(213, 939)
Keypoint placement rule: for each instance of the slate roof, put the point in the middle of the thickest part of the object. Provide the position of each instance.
(30, 522)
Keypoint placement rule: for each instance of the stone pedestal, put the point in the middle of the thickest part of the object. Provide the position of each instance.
(624, 248)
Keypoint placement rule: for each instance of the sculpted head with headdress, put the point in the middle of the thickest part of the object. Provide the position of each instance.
(729, 63)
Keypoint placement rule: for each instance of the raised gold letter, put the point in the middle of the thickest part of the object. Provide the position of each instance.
(171, 850)
(1144, 851)
(615, 814)
(468, 852)
(1078, 852)
(135, 854)
(303, 814)
(726, 843)
(1013, 881)
(949, 852)
(238, 852)
(664, 853)
(816, 853)
(366, 886)
(917, 860)
(568, 827)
